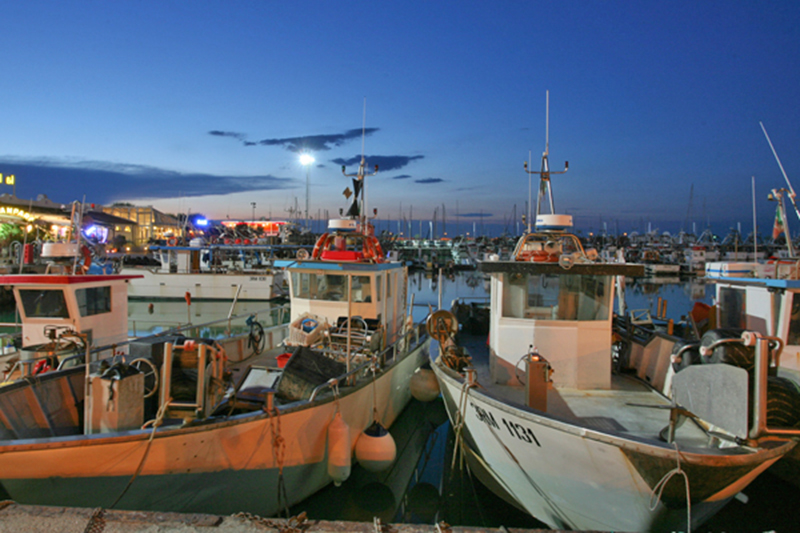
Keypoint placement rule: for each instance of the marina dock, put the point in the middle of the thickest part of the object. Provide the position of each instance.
(35, 519)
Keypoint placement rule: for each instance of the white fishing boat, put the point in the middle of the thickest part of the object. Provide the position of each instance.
(208, 272)
(550, 423)
(761, 297)
(178, 436)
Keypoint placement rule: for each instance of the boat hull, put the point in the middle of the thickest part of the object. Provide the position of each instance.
(573, 477)
(222, 466)
(205, 286)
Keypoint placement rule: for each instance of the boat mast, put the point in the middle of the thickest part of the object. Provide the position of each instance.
(545, 172)
(361, 175)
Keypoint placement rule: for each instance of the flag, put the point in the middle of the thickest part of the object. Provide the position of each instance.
(777, 227)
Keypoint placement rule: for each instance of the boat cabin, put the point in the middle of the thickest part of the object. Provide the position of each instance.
(93, 305)
(761, 297)
(563, 313)
(331, 292)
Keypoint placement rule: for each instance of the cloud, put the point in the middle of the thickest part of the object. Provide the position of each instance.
(426, 181)
(232, 134)
(475, 215)
(384, 162)
(307, 143)
(104, 182)
(402, 177)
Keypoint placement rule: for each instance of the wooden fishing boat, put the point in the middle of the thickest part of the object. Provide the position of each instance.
(164, 429)
(547, 420)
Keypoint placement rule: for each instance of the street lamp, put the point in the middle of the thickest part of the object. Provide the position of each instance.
(254, 211)
(306, 160)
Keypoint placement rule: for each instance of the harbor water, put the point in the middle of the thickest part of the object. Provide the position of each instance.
(426, 485)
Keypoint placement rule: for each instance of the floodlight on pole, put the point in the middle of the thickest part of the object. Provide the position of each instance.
(307, 160)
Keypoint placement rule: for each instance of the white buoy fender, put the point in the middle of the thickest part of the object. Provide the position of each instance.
(375, 448)
(339, 450)
(424, 386)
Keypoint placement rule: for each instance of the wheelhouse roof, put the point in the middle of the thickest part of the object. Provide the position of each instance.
(61, 279)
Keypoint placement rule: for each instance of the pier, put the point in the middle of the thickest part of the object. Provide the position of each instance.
(41, 519)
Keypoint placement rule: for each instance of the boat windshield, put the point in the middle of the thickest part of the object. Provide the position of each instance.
(44, 303)
(316, 286)
(557, 296)
(333, 287)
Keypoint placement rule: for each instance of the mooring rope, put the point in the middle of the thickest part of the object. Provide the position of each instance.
(659, 489)
(374, 369)
(279, 452)
(156, 423)
(461, 415)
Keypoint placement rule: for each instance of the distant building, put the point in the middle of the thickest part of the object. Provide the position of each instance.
(146, 224)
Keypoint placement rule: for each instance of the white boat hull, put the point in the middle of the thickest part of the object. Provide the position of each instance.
(205, 286)
(573, 477)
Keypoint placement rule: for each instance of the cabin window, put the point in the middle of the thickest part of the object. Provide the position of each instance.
(731, 308)
(361, 292)
(94, 301)
(388, 286)
(331, 287)
(47, 303)
(556, 297)
(311, 286)
(378, 287)
(301, 284)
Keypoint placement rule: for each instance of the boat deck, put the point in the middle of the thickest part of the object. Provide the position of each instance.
(629, 408)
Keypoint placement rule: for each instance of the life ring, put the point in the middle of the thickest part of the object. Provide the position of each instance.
(172, 241)
(537, 256)
(378, 250)
(87, 259)
(318, 246)
(368, 249)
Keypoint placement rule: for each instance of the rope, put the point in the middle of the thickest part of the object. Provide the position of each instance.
(295, 524)
(461, 415)
(659, 489)
(156, 423)
(279, 452)
(373, 368)
(97, 522)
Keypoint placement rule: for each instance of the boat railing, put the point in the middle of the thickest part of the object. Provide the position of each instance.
(762, 344)
(278, 314)
(409, 341)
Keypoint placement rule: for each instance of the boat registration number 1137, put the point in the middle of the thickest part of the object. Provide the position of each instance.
(516, 430)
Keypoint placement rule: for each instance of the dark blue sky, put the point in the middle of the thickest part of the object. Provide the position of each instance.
(205, 106)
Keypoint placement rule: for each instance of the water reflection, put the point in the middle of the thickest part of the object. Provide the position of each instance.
(420, 487)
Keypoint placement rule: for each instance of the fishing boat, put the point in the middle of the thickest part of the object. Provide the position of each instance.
(182, 424)
(547, 420)
(208, 272)
(756, 296)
